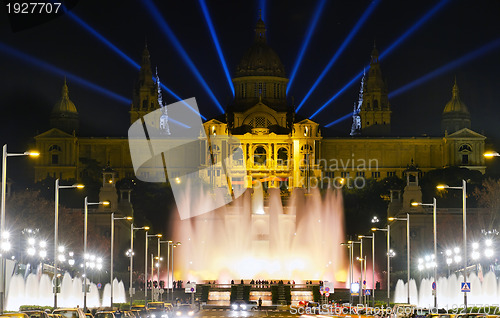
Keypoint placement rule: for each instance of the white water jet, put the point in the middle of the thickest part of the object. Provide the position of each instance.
(37, 290)
(484, 293)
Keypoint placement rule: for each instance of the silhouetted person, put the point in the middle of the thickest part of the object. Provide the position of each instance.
(242, 282)
(260, 303)
(377, 285)
(232, 282)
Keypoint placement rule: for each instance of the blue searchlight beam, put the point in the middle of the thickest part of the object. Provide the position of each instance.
(262, 8)
(215, 39)
(341, 49)
(346, 116)
(449, 66)
(391, 47)
(155, 13)
(307, 39)
(14, 53)
(74, 78)
(115, 49)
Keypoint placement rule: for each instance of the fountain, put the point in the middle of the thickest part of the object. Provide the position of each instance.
(484, 293)
(37, 290)
(253, 238)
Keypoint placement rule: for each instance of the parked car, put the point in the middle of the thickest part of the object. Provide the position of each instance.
(156, 305)
(404, 310)
(36, 313)
(158, 313)
(140, 310)
(129, 314)
(105, 314)
(242, 305)
(184, 311)
(14, 315)
(70, 312)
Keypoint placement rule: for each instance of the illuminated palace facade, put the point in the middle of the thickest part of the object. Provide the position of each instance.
(276, 144)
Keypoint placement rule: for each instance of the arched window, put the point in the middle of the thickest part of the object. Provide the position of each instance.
(307, 151)
(54, 151)
(375, 104)
(465, 148)
(54, 148)
(215, 152)
(237, 156)
(260, 156)
(282, 157)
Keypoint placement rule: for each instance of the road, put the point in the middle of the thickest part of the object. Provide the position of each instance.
(227, 313)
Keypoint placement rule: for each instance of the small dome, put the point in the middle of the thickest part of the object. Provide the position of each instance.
(455, 104)
(260, 59)
(64, 105)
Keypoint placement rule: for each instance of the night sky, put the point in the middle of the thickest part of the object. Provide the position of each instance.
(28, 93)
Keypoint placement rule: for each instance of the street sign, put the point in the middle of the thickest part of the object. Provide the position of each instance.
(434, 292)
(321, 290)
(327, 294)
(162, 291)
(330, 287)
(355, 289)
(56, 282)
(433, 285)
(364, 283)
(368, 292)
(190, 288)
(327, 289)
(465, 287)
(99, 285)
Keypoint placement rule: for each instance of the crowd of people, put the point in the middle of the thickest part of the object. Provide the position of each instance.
(261, 283)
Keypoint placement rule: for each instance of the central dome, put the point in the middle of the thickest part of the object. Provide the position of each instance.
(260, 59)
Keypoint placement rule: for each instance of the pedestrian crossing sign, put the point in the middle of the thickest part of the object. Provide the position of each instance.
(465, 287)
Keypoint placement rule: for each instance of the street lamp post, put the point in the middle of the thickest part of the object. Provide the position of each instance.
(407, 219)
(56, 230)
(146, 267)
(85, 286)
(132, 228)
(170, 264)
(5, 154)
(464, 227)
(491, 154)
(388, 230)
(158, 269)
(112, 248)
(372, 237)
(360, 242)
(434, 223)
(349, 246)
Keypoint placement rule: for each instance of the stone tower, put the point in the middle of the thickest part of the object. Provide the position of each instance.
(455, 116)
(64, 115)
(145, 94)
(375, 113)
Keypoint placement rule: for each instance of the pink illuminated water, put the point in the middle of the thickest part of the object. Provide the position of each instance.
(256, 239)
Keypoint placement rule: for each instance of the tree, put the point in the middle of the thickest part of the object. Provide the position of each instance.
(361, 204)
(28, 209)
(488, 197)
